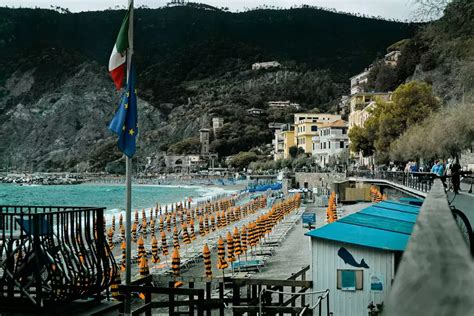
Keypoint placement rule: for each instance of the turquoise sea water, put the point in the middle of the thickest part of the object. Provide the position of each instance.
(109, 196)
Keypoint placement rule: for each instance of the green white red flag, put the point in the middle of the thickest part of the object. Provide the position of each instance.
(118, 58)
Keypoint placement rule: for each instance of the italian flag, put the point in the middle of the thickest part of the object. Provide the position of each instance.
(118, 58)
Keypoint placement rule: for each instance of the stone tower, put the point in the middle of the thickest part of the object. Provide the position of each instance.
(204, 139)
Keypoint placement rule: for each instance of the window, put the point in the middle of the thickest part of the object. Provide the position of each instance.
(324, 146)
(344, 131)
(341, 144)
(329, 145)
(350, 280)
(314, 128)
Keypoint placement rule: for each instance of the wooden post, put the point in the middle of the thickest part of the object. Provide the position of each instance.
(208, 298)
(171, 300)
(221, 297)
(191, 299)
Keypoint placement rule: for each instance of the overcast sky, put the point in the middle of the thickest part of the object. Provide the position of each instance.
(398, 9)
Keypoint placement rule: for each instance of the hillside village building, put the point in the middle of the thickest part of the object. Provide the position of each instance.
(266, 65)
(278, 139)
(392, 58)
(254, 111)
(331, 142)
(306, 126)
(283, 104)
(359, 81)
(361, 105)
(217, 122)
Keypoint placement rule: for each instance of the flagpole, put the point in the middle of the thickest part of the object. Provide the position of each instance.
(128, 179)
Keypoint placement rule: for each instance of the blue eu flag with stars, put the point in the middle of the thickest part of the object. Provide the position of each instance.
(124, 123)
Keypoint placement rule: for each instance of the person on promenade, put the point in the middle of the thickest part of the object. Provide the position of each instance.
(456, 177)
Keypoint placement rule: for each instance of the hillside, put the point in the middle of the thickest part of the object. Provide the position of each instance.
(56, 99)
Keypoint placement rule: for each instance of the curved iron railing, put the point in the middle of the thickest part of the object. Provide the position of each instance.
(53, 254)
(420, 181)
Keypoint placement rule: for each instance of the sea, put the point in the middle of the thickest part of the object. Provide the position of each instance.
(112, 196)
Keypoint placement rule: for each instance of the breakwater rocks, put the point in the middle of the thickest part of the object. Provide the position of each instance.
(43, 179)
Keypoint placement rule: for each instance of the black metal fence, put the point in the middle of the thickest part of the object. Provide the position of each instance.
(52, 254)
(420, 181)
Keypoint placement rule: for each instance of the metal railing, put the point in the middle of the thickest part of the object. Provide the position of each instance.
(52, 254)
(420, 181)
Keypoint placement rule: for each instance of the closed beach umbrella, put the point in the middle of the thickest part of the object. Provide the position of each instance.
(221, 262)
(162, 225)
(237, 250)
(136, 217)
(143, 268)
(206, 253)
(124, 256)
(168, 223)
(134, 232)
(176, 266)
(152, 227)
(224, 219)
(122, 232)
(244, 239)
(202, 232)
(219, 221)
(120, 220)
(206, 224)
(186, 238)
(213, 223)
(230, 247)
(141, 248)
(113, 222)
(144, 228)
(164, 245)
(175, 238)
(154, 250)
(191, 230)
(110, 237)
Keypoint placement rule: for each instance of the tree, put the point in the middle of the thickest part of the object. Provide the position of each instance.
(293, 151)
(361, 141)
(444, 134)
(411, 103)
(243, 159)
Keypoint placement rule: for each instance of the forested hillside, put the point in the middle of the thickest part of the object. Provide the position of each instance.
(192, 64)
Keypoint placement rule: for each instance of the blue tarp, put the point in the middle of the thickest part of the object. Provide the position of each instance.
(266, 187)
(361, 235)
(391, 205)
(379, 223)
(386, 225)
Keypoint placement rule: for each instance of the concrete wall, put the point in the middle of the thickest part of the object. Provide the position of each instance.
(317, 180)
(326, 262)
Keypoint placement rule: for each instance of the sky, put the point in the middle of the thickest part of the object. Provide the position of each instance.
(397, 9)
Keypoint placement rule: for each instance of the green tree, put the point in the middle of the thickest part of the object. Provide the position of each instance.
(293, 151)
(411, 103)
(361, 141)
(243, 159)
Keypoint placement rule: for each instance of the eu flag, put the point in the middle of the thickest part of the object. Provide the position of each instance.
(124, 123)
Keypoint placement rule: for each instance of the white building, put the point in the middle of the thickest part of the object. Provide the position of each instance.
(278, 139)
(357, 256)
(217, 122)
(392, 58)
(359, 80)
(332, 140)
(254, 111)
(283, 104)
(266, 65)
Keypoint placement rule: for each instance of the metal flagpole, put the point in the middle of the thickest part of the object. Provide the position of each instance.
(128, 180)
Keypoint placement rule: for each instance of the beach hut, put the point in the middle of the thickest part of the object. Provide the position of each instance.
(356, 257)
